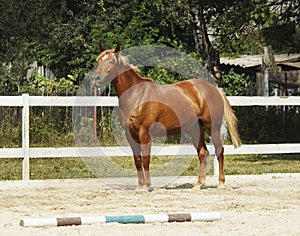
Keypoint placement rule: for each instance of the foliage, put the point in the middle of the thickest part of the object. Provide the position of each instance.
(163, 76)
(84, 134)
(64, 35)
(235, 84)
(41, 85)
(47, 130)
(11, 132)
(242, 27)
(268, 125)
(9, 84)
(174, 68)
(48, 127)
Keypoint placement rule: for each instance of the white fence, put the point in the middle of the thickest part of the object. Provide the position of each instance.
(26, 152)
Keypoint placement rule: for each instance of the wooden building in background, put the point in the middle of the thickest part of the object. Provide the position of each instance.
(283, 80)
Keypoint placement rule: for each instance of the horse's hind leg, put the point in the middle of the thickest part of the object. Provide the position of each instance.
(216, 139)
(199, 144)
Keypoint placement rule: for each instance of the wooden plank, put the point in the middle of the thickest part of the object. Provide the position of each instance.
(11, 152)
(73, 101)
(263, 149)
(79, 152)
(13, 101)
(156, 150)
(264, 101)
(160, 150)
(113, 101)
(108, 151)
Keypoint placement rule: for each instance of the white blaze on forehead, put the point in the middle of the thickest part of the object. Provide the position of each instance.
(104, 57)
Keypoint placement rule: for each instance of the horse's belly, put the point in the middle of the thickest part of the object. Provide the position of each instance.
(162, 119)
(159, 129)
(173, 125)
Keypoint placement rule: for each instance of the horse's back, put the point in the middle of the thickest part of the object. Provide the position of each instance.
(206, 88)
(202, 91)
(207, 99)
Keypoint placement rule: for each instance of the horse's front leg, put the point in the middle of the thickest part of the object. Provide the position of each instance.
(136, 150)
(146, 148)
(145, 140)
(140, 172)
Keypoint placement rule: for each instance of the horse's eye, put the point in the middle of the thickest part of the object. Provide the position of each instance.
(110, 62)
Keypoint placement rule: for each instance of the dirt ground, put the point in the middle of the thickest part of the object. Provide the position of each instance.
(250, 205)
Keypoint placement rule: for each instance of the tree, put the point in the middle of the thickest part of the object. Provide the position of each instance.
(201, 12)
(57, 34)
(241, 27)
(280, 26)
(245, 27)
(67, 47)
(64, 35)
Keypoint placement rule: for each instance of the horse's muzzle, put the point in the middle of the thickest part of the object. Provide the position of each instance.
(96, 80)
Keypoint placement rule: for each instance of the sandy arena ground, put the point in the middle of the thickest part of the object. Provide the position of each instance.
(250, 205)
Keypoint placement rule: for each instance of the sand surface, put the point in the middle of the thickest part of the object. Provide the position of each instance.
(250, 205)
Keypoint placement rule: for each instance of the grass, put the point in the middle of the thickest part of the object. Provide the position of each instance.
(63, 168)
(261, 164)
(45, 168)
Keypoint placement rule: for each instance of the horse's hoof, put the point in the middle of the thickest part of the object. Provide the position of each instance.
(198, 186)
(141, 189)
(221, 186)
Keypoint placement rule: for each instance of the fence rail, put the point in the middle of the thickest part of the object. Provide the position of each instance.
(26, 152)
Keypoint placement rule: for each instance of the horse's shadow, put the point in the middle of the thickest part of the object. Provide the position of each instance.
(182, 187)
(189, 186)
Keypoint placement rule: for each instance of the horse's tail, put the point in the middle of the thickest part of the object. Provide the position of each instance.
(231, 121)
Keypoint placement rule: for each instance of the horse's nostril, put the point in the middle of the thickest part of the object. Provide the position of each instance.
(95, 79)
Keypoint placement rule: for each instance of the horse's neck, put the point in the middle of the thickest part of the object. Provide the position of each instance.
(127, 80)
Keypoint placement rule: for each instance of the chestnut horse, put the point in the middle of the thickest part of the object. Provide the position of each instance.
(148, 109)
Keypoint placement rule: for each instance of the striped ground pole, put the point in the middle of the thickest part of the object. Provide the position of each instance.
(134, 219)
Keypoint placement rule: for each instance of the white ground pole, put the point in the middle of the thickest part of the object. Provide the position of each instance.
(129, 219)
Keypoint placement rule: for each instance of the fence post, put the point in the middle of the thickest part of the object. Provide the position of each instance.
(25, 137)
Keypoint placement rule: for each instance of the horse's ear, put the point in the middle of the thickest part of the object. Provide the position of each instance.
(117, 49)
(101, 48)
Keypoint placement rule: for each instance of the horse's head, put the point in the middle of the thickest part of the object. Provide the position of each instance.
(106, 70)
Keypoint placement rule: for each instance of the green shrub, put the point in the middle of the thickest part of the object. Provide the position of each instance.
(235, 84)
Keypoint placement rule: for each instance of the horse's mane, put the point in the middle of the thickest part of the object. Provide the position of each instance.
(123, 61)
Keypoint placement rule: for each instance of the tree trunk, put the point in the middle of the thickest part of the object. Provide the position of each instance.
(269, 59)
(268, 66)
(210, 56)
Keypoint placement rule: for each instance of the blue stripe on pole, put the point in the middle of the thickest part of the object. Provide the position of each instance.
(125, 219)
